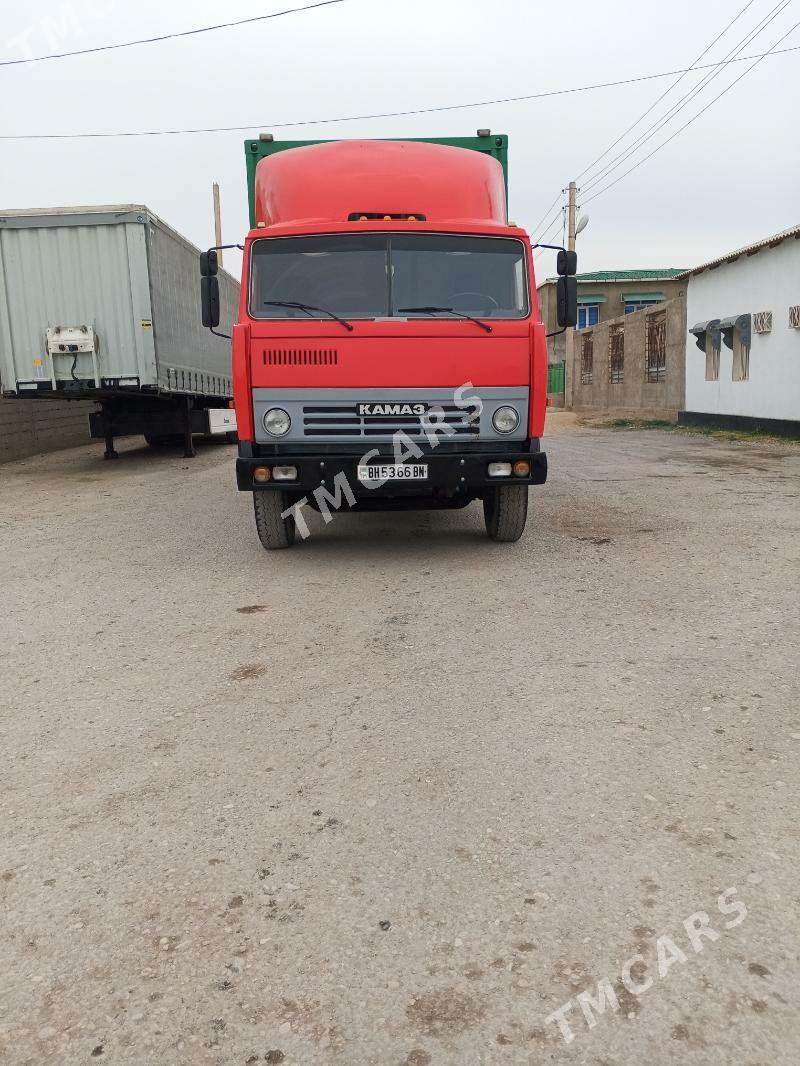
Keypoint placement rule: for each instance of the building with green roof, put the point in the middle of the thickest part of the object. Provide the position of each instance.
(606, 294)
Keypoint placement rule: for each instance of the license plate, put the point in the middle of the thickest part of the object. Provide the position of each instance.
(393, 472)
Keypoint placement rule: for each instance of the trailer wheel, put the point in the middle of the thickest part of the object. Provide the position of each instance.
(505, 511)
(273, 530)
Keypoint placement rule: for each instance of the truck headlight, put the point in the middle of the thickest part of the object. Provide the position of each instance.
(277, 422)
(505, 419)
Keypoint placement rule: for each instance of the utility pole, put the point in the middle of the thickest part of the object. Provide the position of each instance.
(569, 337)
(217, 222)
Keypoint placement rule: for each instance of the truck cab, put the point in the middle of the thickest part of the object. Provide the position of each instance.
(389, 352)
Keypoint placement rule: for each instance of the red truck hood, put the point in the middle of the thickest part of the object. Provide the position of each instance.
(414, 354)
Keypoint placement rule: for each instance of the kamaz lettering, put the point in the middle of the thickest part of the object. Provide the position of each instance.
(395, 409)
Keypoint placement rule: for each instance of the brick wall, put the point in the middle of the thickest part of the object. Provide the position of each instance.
(31, 426)
(634, 396)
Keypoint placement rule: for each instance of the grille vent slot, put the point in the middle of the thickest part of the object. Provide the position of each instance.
(342, 420)
(301, 357)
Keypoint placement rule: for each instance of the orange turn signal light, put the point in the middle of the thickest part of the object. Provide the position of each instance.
(262, 473)
(522, 468)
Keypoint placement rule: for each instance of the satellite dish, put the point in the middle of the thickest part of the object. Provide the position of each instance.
(583, 222)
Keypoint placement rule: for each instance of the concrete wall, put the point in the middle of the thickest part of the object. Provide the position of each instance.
(765, 281)
(610, 309)
(31, 426)
(635, 396)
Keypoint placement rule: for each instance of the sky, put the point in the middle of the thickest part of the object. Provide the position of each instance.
(730, 178)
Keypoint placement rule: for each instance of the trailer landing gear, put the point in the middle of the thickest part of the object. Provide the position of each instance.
(108, 434)
(188, 444)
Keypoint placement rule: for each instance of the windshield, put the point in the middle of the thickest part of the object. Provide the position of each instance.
(382, 275)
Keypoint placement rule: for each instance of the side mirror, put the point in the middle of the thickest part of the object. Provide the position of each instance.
(567, 263)
(209, 263)
(209, 300)
(566, 302)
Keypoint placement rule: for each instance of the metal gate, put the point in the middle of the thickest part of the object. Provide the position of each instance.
(616, 354)
(655, 359)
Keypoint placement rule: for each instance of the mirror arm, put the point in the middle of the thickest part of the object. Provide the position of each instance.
(558, 332)
(225, 336)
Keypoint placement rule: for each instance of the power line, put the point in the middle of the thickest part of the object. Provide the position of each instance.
(694, 118)
(168, 36)
(545, 237)
(649, 134)
(666, 93)
(554, 222)
(541, 226)
(386, 114)
(547, 212)
(676, 108)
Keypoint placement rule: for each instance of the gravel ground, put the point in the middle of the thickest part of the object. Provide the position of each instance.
(396, 796)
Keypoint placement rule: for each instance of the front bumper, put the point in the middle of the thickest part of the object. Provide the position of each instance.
(451, 474)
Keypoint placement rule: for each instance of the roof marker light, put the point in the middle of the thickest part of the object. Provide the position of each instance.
(381, 216)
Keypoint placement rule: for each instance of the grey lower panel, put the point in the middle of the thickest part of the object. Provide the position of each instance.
(330, 416)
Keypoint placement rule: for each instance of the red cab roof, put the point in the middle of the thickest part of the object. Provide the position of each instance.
(327, 183)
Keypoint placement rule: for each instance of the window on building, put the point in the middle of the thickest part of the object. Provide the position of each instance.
(636, 301)
(588, 315)
(616, 354)
(712, 356)
(656, 347)
(587, 359)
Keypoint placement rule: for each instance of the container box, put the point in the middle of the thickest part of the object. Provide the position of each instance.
(101, 302)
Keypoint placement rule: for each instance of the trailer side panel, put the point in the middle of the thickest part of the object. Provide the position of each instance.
(189, 357)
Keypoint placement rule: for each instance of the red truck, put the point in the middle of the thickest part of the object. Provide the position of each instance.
(389, 351)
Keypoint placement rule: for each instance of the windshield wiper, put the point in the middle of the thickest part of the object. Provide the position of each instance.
(448, 310)
(308, 307)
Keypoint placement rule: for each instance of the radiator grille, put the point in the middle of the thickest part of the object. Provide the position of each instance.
(301, 357)
(343, 421)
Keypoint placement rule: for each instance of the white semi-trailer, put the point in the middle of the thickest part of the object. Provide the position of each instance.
(101, 303)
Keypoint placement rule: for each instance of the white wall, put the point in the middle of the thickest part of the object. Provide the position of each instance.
(767, 281)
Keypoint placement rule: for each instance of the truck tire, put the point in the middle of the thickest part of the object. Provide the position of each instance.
(505, 511)
(273, 531)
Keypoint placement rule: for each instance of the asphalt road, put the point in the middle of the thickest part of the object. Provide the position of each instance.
(398, 795)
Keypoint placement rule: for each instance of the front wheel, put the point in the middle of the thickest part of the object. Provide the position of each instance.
(274, 531)
(505, 511)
